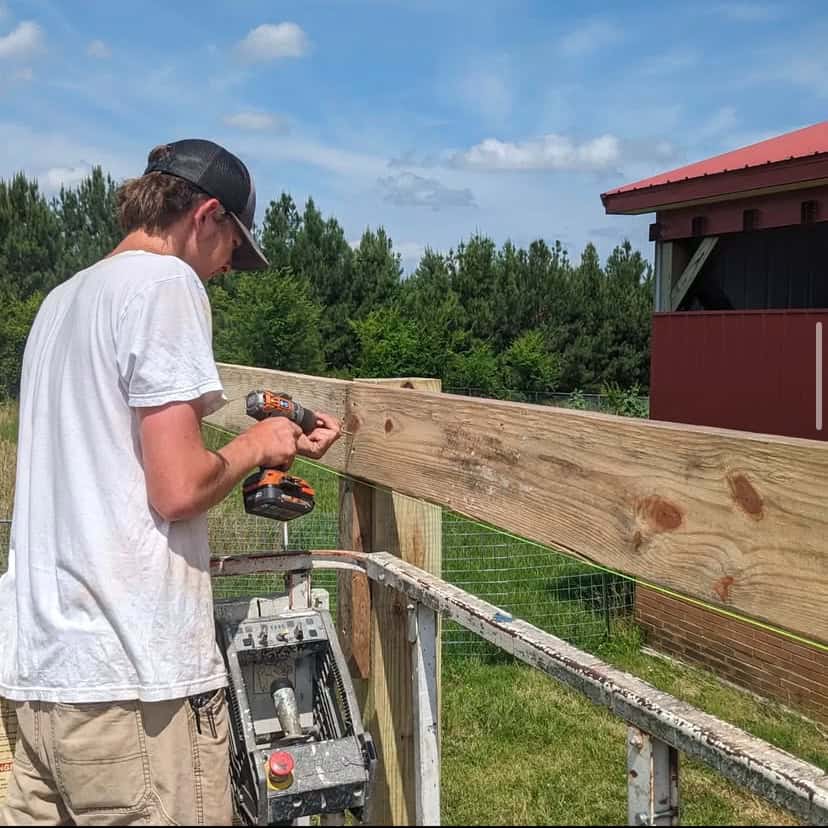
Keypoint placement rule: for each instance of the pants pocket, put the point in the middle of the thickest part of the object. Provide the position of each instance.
(25, 751)
(210, 735)
(101, 761)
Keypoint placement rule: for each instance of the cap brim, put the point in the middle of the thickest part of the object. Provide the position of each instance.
(248, 255)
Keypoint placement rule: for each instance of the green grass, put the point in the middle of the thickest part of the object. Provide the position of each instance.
(521, 749)
(763, 718)
(8, 422)
(8, 461)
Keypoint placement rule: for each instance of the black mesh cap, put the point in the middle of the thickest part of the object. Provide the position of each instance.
(221, 175)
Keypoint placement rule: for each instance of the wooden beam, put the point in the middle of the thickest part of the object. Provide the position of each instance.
(353, 597)
(663, 274)
(411, 530)
(692, 270)
(737, 520)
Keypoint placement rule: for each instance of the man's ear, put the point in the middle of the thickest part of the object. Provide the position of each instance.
(205, 210)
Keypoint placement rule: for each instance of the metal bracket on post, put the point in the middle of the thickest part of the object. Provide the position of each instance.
(422, 635)
(652, 780)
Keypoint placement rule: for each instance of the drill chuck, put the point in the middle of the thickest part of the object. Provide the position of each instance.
(263, 404)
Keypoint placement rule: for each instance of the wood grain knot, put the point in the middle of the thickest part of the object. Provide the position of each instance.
(659, 514)
(389, 426)
(722, 588)
(746, 496)
(352, 423)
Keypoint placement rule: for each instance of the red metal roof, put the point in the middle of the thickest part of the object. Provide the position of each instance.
(797, 157)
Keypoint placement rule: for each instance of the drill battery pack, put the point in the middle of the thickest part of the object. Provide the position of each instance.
(272, 493)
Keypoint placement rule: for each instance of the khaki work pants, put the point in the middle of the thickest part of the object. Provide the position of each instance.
(123, 763)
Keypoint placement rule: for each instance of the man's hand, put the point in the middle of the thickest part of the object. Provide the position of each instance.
(183, 478)
(327, 432)
(276, 441)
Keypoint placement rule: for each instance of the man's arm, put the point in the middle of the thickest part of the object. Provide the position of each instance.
(184, 478)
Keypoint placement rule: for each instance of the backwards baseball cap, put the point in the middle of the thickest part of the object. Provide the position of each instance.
(219, 174)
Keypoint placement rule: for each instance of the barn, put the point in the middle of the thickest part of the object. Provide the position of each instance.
(741, 304)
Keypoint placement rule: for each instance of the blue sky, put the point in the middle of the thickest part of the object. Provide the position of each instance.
(433, 118)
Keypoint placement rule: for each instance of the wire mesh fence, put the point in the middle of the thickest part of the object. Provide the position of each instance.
(573, 600)
(240, 534)
(570, 599)
(563, 399)
(566, 597)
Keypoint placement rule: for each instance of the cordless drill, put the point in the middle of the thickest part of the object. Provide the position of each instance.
(271, 492)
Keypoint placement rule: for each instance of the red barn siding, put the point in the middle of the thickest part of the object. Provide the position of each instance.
(748, 370)
(753, 371)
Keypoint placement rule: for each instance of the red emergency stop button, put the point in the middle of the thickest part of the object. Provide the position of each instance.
(280, 767)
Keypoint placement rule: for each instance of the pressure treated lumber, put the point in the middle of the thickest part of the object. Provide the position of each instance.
(737, 520)
(379, 519)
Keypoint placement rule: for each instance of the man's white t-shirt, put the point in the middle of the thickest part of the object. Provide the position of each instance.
(104, 600)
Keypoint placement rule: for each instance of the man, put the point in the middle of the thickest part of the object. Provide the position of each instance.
(107, 645)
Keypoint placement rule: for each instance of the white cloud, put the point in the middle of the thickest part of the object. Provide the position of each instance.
(675, 60)
(53, 157)
(723, 120)
(257, 121)
(808, 72)
(271, 41)
(551, 152)
(411, 254)
(803, 63)
(410, 250)
(57, 177)
(406, 189)
(304, 150)
(99, 49)
(24, 41)
(486, 90)
(589, 37)
(748, 12)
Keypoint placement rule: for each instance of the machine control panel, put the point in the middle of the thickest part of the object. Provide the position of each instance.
(254, 634)
(291, 698)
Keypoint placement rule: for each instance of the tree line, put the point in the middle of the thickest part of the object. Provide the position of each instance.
(497, 321)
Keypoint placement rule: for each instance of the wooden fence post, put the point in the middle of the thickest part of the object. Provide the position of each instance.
(353, 605)
(373, 519)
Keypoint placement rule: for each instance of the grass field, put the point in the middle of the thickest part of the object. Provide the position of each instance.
(519, 748)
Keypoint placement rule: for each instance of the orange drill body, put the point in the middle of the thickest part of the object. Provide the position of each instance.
(271, 492)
